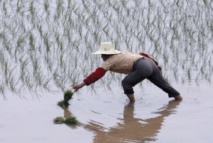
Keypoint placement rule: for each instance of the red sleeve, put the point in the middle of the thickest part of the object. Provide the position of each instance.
(96, 75)
(146, 55)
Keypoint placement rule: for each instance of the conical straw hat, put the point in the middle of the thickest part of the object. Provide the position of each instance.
(107, 48)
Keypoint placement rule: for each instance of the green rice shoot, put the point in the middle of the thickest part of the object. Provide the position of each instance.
(67, 96)
(68, 121)
(71, 120)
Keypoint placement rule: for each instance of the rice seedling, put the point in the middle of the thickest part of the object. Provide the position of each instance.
(68, 121)
(168, 32)
(71, 120)
(67, 96)
(46, 6)
(31, 41)
(58, 120)
(32, 12)
(47, 43)
(4, 8)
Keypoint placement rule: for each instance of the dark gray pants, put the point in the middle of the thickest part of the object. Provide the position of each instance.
(146, 68)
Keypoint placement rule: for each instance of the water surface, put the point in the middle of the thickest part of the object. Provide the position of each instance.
(45, 46)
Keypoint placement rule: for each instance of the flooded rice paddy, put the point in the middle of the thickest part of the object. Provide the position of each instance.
(46, 46)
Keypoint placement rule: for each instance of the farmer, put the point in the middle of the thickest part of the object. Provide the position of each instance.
(137, 67)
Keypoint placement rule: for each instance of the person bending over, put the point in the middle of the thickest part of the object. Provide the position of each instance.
(137, 67)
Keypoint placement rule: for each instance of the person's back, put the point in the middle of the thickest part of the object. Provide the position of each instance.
(121, 63)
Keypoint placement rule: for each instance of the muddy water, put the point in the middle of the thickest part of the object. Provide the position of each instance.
(107, 117)
(45, 46)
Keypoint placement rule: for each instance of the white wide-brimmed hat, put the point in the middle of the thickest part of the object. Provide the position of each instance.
(107, 48)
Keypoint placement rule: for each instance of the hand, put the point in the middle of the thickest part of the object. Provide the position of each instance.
(76, 87)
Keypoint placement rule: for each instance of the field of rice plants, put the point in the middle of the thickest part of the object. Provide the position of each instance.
(46, 46)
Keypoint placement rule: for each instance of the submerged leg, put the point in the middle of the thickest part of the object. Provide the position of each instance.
(141, 70)
(131, 98)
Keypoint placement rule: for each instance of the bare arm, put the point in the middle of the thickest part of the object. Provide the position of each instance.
(93, 77)
(76, 87)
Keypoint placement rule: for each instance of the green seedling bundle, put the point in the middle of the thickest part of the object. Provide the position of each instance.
(64, 104)
(67, 96)
(69, 120)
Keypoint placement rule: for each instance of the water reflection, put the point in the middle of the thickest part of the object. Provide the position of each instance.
(131, 129)
(47, 45)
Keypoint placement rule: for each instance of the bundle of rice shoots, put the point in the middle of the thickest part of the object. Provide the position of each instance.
(59, 120)
(69, 120)
(67, 96)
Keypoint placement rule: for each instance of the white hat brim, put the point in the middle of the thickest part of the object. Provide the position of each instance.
(107, 52)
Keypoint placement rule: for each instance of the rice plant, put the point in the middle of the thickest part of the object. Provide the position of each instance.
(51, 42)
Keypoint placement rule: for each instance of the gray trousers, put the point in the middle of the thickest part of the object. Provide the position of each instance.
(145, 68)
